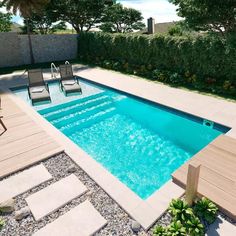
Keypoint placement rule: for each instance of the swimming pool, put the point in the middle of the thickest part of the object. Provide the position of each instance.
(140, 143)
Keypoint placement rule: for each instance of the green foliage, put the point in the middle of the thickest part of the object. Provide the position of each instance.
(81, 14)
(206, 210)
(160, 231)
(2, 222)
(205, 63)
(208, 15)
(5, 22)
(119, 19)
(176, 229)
(180, 210)
(194, 226)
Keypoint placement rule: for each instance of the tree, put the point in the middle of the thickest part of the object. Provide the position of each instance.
(208, 15)
(81, 14)
(5, 22)
(26, 8)
(119, 19)
(45, 21)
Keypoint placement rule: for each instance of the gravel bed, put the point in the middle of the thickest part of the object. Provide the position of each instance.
(119, 222)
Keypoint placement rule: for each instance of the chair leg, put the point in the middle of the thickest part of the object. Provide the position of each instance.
(3, 125)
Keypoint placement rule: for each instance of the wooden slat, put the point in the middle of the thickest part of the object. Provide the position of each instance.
(24, 143)
(217, 175)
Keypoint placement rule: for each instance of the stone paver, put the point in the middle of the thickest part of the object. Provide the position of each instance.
(55, 196)
(83, 220)
(22, 182)
(221, 227)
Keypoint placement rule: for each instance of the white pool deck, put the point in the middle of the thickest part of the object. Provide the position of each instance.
(146, 212)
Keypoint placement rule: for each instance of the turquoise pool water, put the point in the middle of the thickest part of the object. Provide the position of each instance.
(140, 143)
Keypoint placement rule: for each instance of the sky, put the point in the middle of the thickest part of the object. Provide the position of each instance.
(160, 10)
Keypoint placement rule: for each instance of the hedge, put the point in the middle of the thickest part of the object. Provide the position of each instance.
(206, 61)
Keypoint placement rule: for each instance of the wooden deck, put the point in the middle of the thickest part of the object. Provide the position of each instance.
(217, 174)
(24, 143)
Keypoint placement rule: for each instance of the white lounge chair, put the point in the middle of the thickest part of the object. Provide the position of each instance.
(68, 82)
(38, 90)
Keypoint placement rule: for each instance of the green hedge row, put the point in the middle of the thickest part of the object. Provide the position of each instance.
(205, 60)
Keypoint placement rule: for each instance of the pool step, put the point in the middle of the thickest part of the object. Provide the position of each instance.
(72, 128)
(82, 114)
(63, 107)
(76, 108)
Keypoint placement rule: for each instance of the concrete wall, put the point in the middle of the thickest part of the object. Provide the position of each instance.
(14, 48)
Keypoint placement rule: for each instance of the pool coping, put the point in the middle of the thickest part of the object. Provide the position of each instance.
(146, 212)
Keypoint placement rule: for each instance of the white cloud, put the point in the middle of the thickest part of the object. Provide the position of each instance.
(161, 10)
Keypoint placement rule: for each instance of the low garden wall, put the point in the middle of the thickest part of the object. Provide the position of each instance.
(14, 48)
(202, 62)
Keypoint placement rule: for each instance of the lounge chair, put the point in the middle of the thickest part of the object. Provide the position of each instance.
(38, 90)
(68, 82)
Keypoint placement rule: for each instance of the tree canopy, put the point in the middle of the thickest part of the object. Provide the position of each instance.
(81, 14)
(120, 19)
(208, 15)
(44, 21)
(5, 22)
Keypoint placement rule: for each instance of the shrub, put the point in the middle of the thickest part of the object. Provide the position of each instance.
(205, 63)
(195, 227)
(180, 210)
(2, 222)
(206, 210)
(176, 229)
(160, 231)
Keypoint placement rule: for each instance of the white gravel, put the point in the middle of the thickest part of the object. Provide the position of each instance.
(119, 223)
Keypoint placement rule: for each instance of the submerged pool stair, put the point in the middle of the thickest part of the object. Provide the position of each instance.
(76, 115)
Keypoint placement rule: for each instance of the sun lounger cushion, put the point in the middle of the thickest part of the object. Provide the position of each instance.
(39, 96)
(69, 82)
(72, 88)
(37, 89)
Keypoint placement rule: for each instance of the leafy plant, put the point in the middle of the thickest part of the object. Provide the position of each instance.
(159, 231)
(206, 210)
(180, 210)
(195, 227)
(2, 222)
(176, 229)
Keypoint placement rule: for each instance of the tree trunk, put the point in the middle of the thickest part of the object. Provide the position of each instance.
(30, 42)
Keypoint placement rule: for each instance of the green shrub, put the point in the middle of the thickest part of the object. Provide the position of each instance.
(176, 229)
(194, 226)
(180, 210)
(209, 62)
(160, 231)
(2, 222)
(206, 210)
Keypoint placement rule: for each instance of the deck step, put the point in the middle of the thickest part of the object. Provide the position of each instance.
(22, 182)
(51, 198)
(82, 220)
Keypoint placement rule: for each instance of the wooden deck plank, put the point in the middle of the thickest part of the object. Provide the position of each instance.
(25, 142)
(217, 175)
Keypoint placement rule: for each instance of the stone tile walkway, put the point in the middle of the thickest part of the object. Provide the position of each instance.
(51, 198)
(83, 220)
(22, 182)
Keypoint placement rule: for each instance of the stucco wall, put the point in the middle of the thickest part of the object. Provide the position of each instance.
(14, 48)
(9, 49)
